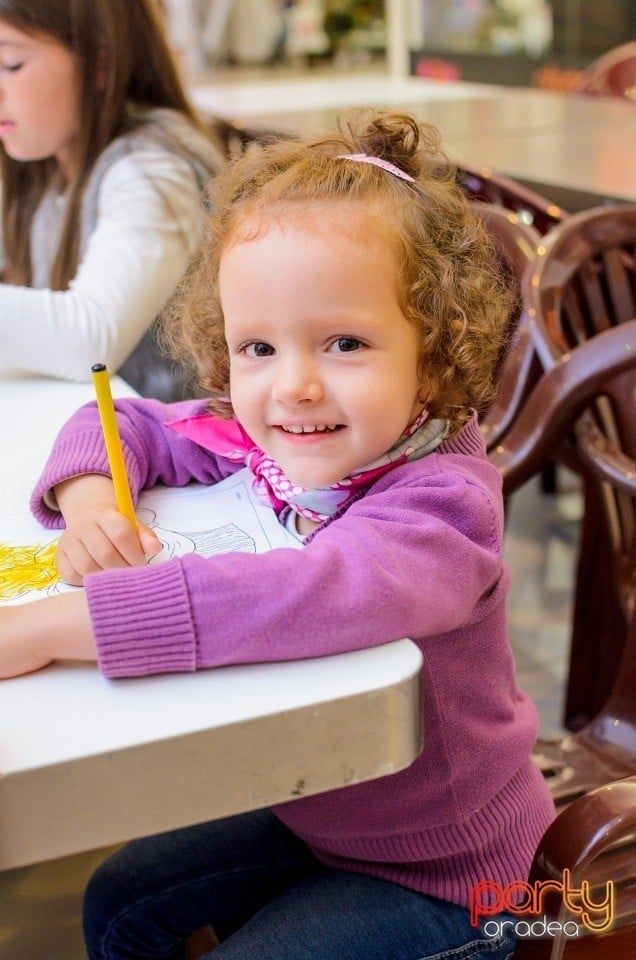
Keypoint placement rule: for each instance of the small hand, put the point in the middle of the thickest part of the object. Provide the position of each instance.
(102, 539)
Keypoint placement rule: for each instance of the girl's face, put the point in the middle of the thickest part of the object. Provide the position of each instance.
(323, 363)
(39, 98)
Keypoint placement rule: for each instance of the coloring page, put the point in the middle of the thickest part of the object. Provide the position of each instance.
(194, 519)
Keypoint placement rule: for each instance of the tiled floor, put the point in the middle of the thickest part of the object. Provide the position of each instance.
(540, 548)
(40, 906)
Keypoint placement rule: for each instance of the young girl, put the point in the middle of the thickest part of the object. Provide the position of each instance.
(345, 319)
(102, 163)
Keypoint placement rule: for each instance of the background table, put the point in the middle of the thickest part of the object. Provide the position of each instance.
(578, 151)
(86, 762)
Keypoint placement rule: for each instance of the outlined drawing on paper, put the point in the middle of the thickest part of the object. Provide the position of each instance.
(222, 539)
(217, 519)
(193, 519)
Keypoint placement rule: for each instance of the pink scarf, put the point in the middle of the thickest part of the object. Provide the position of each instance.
(228, 439)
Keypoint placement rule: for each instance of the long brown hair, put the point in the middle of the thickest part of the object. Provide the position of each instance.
(123, 57)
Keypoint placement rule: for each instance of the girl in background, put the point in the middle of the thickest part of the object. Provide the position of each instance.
(345, 318)
(102, 162)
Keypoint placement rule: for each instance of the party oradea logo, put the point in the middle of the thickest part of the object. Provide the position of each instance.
(588, 911)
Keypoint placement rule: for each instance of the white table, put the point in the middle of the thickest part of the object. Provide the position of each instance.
(32, 410)
(86, 762)
(578, 150)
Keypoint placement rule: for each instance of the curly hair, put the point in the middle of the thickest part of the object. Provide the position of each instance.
(450, 287)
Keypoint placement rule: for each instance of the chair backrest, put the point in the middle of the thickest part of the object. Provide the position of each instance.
(580, 296)
(516, 245)
(611, 75)
(582, 285)
(593, 838)
(484, 185)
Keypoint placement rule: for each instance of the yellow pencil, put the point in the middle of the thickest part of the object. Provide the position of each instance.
(113, 442)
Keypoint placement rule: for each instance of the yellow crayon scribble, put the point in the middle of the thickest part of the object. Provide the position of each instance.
(25, 568)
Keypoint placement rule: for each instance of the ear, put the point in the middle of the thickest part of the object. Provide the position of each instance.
(424, 392)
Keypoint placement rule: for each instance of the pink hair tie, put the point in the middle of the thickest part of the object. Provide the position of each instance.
(378, 162)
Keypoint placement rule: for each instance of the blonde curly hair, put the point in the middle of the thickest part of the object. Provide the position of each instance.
(450, 287)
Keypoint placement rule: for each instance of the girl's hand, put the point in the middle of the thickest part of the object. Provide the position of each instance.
(97, 536)
(33, 634)
(101, 540)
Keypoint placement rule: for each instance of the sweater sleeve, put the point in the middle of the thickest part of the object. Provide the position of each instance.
(149, 224)
(153, 454)
(415, 559)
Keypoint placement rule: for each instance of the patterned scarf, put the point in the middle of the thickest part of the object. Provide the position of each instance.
(228, 439)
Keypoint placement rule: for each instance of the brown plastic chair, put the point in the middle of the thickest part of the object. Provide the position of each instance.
(483, 185)
(611, 75)
(605, 748)
(593, 838)
(519, 367)
(583, 281)
(200, 943)
(552, 413)
(486, 186)
(492, 190)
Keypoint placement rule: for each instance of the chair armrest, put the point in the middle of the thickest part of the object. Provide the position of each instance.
(593, 838)
(558, 399)
(590, 826)
(603, 458)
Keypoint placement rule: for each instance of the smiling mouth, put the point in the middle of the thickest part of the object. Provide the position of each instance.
(298, 428)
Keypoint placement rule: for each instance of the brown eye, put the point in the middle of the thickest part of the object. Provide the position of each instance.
(347, 344)
(259, 350)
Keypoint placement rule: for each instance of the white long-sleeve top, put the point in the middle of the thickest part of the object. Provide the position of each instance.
(144, 213)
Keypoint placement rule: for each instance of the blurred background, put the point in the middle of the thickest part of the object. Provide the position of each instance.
(544, 43)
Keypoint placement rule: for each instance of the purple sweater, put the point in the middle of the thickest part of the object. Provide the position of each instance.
(418, 555)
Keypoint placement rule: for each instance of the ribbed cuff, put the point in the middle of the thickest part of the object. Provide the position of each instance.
(142, 620)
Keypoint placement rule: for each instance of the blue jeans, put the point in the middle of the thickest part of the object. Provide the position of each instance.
(267, 897)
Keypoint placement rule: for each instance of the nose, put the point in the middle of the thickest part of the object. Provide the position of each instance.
(297, 380)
